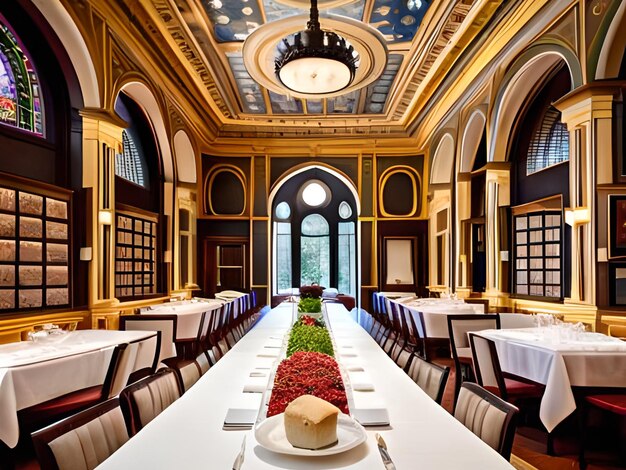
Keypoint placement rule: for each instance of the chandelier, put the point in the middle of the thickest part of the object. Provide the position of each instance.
(317, 61)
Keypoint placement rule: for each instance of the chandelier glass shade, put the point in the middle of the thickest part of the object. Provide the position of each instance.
(315, 61)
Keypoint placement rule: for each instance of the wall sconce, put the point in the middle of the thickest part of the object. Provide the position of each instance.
(105, 218)
(577, 216)
(85, 253)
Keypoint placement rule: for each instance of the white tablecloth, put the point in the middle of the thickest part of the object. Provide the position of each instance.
(593, 360)
(34, 372)
(436, 315)
(189, 315)
(189, 433)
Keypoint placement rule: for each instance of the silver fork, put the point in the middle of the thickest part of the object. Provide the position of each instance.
(242, 452)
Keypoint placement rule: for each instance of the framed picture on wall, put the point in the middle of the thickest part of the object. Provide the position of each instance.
(617, 226)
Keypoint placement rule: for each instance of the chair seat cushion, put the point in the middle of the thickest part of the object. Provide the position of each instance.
(517, 389)
(62, 406)
(613, 403)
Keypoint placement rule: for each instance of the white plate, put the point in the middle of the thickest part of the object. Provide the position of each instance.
(270, 434)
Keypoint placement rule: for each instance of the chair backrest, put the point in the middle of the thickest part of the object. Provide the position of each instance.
(375, 305)
(488, 416)
(516, 320)
(203, 362)
(428, 376)
(166, 324)
(487, 365)
(139, 360)
(415, 322)
(83, 440)
(460, 325)
(142, 401)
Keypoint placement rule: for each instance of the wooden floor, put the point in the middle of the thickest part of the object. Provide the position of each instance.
(529, 445)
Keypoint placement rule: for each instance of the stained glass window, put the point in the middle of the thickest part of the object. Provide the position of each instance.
(20, 97)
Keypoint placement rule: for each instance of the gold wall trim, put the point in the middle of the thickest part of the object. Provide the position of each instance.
(415, 181)
(545, 204)
(216, 170)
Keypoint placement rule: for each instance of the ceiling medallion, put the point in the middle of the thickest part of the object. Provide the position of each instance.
(282, 58)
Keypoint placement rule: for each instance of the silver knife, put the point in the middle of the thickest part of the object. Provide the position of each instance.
(242, 452)
(382, 448)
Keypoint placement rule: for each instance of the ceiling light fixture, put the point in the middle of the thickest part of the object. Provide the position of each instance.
(317, 61)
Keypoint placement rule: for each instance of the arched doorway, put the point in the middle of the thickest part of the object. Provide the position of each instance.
(314, 215)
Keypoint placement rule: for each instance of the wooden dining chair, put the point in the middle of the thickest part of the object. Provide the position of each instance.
(488, 416)
(489, 373)
(166, 324)
(142, 401)
(187, 369)
(42, 414)
(458, 327)
(416, 331)
(82, 441)
(428, 376)
(612, 402)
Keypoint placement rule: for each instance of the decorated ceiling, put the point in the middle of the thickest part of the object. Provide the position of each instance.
(211, 35)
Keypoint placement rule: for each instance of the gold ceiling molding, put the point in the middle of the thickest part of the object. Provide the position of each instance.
(456, 17)
(172, 23)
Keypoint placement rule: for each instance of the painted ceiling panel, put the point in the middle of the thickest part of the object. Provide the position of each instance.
(249, 91)
(282, 104)
(233, 20)
(378, 92)
(398, 20)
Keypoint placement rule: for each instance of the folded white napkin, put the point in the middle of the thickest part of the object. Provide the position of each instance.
(240, 417)
(361, 382)
(362, 387)
(256, 384)
(259, 373)
(371, 416)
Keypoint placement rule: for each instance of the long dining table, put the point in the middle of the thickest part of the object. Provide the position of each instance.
(32, 372)
(190, 433)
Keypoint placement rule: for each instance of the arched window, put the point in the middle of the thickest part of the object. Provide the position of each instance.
(129, 165)
(20, 97)
(282, 229)
(549, 144)
(315, 246)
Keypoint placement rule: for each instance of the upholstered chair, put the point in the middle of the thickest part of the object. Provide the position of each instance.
(142, 401)
(82, 441)
(488, 416)
(428, 376)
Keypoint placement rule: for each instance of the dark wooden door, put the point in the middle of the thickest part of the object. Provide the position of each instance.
(226, 265)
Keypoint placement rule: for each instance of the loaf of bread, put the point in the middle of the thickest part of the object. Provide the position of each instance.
(311, 423)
